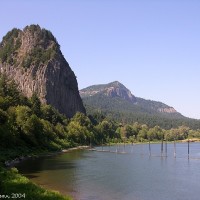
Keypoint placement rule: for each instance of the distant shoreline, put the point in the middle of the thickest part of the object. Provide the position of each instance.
(75, 148)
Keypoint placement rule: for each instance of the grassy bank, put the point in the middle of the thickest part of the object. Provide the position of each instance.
(14, 185)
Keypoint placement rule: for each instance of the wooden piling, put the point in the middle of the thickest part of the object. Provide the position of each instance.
(124, 146)
(174, 148)
(90, 143)
(166, 147)
(162, 148)
(149, 148)
(188, 148)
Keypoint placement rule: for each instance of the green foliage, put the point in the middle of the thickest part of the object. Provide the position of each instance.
(107, 129)
(117, 113)
(26, 123)
(49, 113)
(3, 117)
(35, 104)
(12, 182)
(46, 49)
(43, 34)
(179, 133)
(22, 115)
(194, 133)
(143, 133)
(80, 129)
(155, 133)
(39, 56)
(8, 136)
(9, 94)
(10, 44)
(130, 131)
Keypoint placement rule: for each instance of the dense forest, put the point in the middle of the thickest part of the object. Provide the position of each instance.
(27, 124)
(122, 111)
(117, 102)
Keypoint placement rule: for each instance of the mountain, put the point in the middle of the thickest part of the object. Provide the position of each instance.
(116, 94)
(117, 102)
(114, 89)
(33, 59)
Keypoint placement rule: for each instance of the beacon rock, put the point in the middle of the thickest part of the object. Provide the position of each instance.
(32, 58)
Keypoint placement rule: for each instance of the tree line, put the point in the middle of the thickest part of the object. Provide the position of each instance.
(28, 123)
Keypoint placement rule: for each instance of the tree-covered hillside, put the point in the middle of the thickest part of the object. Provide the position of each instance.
(116, 101)
(151, 120)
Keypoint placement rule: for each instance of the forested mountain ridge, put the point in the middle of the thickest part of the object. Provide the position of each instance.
(119, 91)
(33, 59)
(117, 102)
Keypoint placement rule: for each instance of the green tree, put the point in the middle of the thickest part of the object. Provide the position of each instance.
(155, 133)
(129, 131)
(80, 129)
(51, 114)
(3, 117)
(136, 128)
(23, 121)
(36, 105)
(143, 132)
(107, 129)
(33, 128)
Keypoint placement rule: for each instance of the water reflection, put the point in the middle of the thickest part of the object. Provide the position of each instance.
(121, 176)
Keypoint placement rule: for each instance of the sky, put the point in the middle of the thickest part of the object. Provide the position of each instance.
(150, 46)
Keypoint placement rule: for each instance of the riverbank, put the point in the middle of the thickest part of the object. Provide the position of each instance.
(75, 148)
(11, 157)
(153, 142)
(15, 185)
(191, 140)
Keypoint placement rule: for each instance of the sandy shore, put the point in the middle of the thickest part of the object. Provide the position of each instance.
(75, 148)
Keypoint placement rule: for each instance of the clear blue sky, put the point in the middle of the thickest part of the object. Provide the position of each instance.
(151, 46)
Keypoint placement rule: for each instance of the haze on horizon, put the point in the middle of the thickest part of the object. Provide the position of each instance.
(151, 47)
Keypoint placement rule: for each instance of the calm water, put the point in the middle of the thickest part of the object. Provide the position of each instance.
(92, 175)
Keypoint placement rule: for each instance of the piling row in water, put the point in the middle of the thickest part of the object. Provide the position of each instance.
(150, 154)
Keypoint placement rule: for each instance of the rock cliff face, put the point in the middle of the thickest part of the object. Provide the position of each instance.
(114, 89)
(32, 58)
(167, 110)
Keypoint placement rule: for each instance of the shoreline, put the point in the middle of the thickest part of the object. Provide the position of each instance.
(13, 162)
(75, 148)
(9, 167)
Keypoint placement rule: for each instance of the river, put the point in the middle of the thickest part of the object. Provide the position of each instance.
(131, 173)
